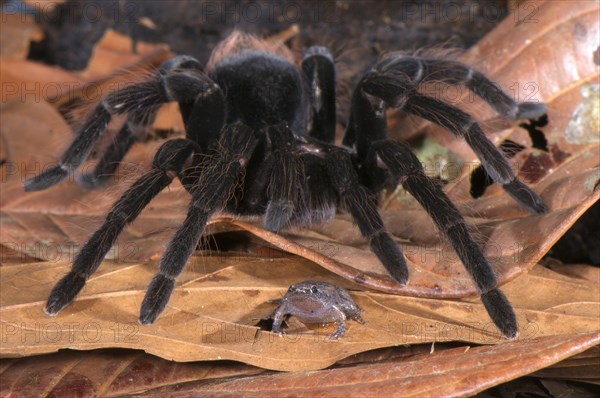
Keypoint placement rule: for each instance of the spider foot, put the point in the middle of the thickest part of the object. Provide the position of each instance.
(531, 110)
(64, 292)
(278, 215)
(285, 185)
(501, 312)
(156, 298)
(92, 181)
(47, 179)
(391, 257)
(526, 197)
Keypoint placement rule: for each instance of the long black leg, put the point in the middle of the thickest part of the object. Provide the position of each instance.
(318, 199)
(203, 117)
(363, 208)
(283, 190)
(368, 124)
(179, 79)
(110, 160)
(251, 197)
(77, 152)
(220, 173)
(206, 117)
(397, 76)
(453, 72)
(494, 162)
(168, 161)
(318, 68)
(403, 164)
(393, 82)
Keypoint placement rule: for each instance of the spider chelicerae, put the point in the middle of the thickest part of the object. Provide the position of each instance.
(260, 141)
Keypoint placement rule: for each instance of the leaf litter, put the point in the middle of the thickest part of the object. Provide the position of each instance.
(33, 226)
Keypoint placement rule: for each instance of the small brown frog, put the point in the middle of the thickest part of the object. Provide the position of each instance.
(317, 302)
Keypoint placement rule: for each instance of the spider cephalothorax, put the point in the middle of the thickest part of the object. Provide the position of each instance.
(260, 141)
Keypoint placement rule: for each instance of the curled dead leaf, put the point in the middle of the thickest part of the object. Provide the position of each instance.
(18, 31)
(118, 372)
(454, 371)
(215, 311)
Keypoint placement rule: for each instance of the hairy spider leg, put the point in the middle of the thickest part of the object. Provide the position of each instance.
(203, 116)
(495, 163)
(403, 164)
(318, 69)
(168, 162)
(286, 173)
(456, 73)
(318, 198)
(395, 80)
(363, 208)
(251, 197)
(179, 79)
(112, 156)
(221, 171)
(297, 190)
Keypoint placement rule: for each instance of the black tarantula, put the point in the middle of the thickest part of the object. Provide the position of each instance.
(260, 141)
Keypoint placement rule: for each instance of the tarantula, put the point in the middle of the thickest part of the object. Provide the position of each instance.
(260, 141)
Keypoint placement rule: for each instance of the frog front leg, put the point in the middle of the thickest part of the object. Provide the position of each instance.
(279, 316)
(341, 324)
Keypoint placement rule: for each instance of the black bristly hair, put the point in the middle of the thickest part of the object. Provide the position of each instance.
(260, 141)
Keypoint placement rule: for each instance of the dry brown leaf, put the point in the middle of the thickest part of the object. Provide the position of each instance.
(219, 300)
(560, 74)
(584, 367)
(548, 55)
(543, 51)
(112, 58)
(28, 81)
(113, 65)
(18, 30)
(106, 373)
(31, 229)
(511, 243)
(457, 372)
(523, 54)
(582, 271)
(114, 52)
(114, 373)
(50, 225)
(24, 123)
